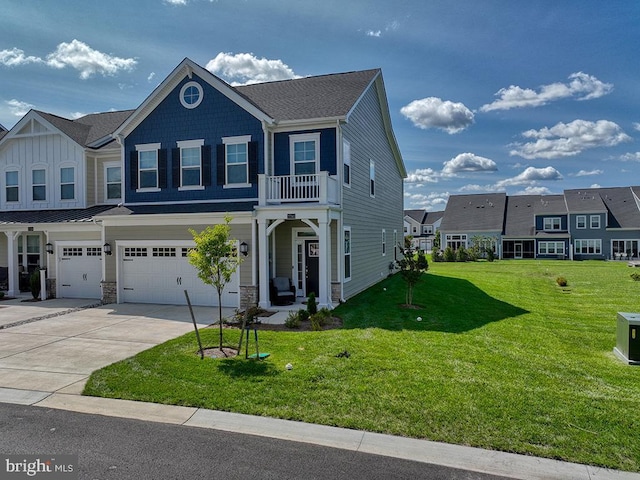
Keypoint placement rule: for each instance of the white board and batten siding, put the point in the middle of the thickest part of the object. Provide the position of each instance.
(157, 272)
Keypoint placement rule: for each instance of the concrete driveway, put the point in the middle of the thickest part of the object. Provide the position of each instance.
(53, 346)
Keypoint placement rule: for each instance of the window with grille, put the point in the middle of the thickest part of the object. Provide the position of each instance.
(135, 252)
(164, 252)
(72, 252)
(94, 252)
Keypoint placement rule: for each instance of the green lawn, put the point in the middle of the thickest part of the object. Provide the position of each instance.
(502, 359)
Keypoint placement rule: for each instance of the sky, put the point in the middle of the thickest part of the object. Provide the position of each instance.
(522, 97)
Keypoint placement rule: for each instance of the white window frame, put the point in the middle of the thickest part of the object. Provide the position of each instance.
(457, 238)
(581, 220)
(33, 184)
(74, 183)
(384, 242)
(555, 248)
(304, 137)
(595, 225)
(183, 91)
(582, 246)
(239, 140)
(347, 254)
(372, 178)
(148, 147)
(7, 186)
(549, 224)
(346, 163)
(106, 167)
(189, 144)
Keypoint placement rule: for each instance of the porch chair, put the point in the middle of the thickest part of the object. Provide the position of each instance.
(281, 290)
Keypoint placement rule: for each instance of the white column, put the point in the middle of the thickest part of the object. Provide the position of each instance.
(263, 264)
(324, 263)
(12, 264)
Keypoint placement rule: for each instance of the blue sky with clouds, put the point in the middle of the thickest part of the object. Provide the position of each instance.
(521, 97)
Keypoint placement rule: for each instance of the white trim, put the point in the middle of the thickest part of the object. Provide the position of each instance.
(346, 279)
(191, 144)
(384, 242)
(106, 166)
(75, 182)
(346, 161)
(237, 140)
(295, 241)
(200, 94)
(584, 219)
(46, 190)
(147, 146)
(591, 219)
(372, 178)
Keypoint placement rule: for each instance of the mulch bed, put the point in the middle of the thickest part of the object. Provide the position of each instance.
(335, 322)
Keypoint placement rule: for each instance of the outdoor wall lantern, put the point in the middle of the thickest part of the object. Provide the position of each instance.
(106, 248)
(244, 249)
(49, 248)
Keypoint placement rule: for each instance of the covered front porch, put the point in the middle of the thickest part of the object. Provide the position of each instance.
(299, 243)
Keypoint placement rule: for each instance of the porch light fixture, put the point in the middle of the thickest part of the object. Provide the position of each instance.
(49, 248)
(106, 248)
(244, 249)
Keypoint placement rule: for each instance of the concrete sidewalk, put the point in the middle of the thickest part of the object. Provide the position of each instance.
(46, 363)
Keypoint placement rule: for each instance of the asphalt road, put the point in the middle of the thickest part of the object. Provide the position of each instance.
(116, 448)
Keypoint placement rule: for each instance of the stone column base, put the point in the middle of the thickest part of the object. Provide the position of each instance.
(109, 292)
(51, 288)
(248, 296)
(335, 292)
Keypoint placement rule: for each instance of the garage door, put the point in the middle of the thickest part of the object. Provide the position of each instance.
(80, 272)
(161, 274)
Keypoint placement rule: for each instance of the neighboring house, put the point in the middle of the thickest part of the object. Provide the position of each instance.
(469, 216)
(421, 226)
(55, 176)
(295, 163)
(3, 131)
(597, 223)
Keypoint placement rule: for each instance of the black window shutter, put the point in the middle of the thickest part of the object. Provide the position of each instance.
(253, 162)
(220, 163)
(133, 169)
(175, 167)
(206, 165)
(162, 168)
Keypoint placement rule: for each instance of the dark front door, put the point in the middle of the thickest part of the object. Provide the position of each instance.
(311, 259)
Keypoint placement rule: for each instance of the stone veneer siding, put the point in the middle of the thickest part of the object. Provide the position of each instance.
(335, 293)
(248, 296)
(109, 292)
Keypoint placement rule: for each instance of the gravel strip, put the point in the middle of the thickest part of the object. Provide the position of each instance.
(51, 315)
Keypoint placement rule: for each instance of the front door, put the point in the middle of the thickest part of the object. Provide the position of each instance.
(312, 265)
(517, 247)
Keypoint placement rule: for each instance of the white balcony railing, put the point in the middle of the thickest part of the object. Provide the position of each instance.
(319, 188)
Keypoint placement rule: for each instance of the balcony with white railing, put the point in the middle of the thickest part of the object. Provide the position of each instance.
(318, 188)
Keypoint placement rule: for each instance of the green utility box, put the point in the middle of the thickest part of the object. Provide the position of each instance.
(628, 338)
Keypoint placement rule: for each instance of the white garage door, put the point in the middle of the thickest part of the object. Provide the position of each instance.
(161, 274)
(79, 272)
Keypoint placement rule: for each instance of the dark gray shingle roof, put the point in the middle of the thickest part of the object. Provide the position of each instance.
(52, 216)
(520, 217)
(550, 205)
(416, 215)
(622, 206)
(474, 213)
(432, 217)
(323, 96)
(584, 201)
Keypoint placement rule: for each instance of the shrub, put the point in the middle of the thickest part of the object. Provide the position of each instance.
(34, 283)
(312, 304)
(449, 255)
(437, 256)
(303, 315)
(491, 256)
(635, 276)
(561, 281)
(1, 294)
(293, 320)
(461, 254)
(320, 319)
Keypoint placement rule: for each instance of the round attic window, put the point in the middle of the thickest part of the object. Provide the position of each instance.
(191, 95)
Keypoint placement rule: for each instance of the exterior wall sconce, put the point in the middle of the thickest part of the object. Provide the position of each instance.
(106, 248)
(244, 249)
(49, 248)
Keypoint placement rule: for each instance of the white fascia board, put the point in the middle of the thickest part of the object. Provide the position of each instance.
(306, 124)
(186, 68)
(175, 219)
(70, 227)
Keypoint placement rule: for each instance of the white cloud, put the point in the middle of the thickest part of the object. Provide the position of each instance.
(432, 201)
(595, 185)
(18, 108)
(420, 175)
(76, 55)
(630, 157)
(433, 112)
(245, 68)
(16, 57)
(150, 77)
(580, 86)
(531, 175)
(468, 162)
(587, 173)
(636, 126)
(534, 191)
(374, 33)
(569, 139)
(475, 188)
(176, 2)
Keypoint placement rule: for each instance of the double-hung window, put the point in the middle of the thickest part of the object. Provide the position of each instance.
(552, 223)
(236, 160)
(39, 185)
(372, 178)
(581, 221)
(346, 163)
(347, 253)
(113, 181)
(12, 190)
(384, 242)
(67, 183)
(594, 221)
(190, 163)
(305, 153)
(148, 166)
